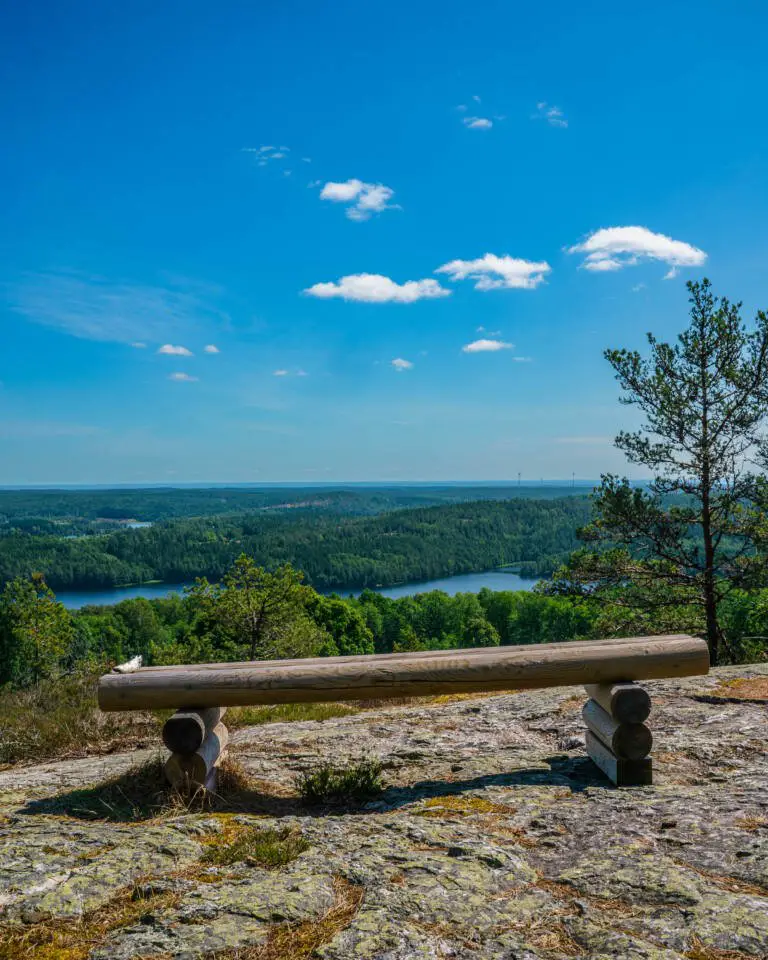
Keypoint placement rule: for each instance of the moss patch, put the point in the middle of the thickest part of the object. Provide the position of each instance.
(462, 806)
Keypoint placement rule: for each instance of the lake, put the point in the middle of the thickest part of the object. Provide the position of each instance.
(462, 583)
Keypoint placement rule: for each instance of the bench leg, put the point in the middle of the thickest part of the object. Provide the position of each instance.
(617, 739)
(193, 763)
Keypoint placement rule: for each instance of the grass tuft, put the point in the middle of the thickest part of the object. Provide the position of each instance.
(256, 846)
(332, 784)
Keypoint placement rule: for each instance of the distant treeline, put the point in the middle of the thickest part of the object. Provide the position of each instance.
(50, 508)
(333, 550)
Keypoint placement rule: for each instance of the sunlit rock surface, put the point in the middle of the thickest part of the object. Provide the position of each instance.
(495, 838)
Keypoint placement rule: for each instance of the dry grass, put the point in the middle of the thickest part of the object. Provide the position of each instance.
(74, 939)
(59, 719)
(725, 882)
(700, 951)
(143, 793)
(301, 941)
(752, 824)
(742, 688)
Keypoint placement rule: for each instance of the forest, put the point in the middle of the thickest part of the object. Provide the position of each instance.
(332, 548)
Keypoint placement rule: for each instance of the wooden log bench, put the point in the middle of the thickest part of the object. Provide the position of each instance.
(617, 738)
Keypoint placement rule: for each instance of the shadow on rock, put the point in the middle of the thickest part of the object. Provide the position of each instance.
(574, 773)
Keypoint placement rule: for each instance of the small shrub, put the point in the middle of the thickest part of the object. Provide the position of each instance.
(330, 783)
(257, 846)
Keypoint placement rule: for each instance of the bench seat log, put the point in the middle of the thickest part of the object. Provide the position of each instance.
(379, 658)
(315, 680)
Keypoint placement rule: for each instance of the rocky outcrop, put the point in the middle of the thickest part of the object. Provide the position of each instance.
(495, 837)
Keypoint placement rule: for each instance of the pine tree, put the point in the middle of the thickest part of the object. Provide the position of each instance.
(692, 535)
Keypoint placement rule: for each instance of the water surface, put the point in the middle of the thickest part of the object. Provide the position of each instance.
(462, 583)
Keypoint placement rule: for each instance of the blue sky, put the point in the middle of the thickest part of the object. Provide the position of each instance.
(249, 177)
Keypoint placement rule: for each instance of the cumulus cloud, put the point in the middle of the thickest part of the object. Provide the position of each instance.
(279, 373)
(364, 199)
(375, 288)
(553, 115)
(486, 346)
(494, 273)
(400, 365)
(613, 248)
(267, 154)
(477, 123)
(171, 351)
(182, 377)
(211, 348)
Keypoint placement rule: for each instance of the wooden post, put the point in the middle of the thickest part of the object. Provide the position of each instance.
(625, 702)
(185, 731)
(628, 741)
(624, 773)
(198, 769)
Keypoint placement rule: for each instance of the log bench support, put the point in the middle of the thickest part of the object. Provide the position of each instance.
(617, 739)
(198, 742)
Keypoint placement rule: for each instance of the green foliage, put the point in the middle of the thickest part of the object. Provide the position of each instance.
(254, 614)
(333, 784)
(696, 533)
(333, 551)
(286, 713)
(35, 632)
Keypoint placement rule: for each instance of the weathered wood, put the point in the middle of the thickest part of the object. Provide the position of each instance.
(624, 773)
(185, 731)
(194, 770)
(625, 702)
(629, 741)
(363, 658)
(458, 671)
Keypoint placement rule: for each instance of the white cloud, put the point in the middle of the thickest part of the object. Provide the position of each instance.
(400, 365)
(374, 288)
(266, 154)
(279, 373)
(553, 115)
(486, 346)
(638, 287)
(365, 198)
(170, 350)
(613, 248)
(139, 346)
(494, 273)
(477, 123)
(94, 308)
(302, 373)
(211, 348)
(182, 377)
